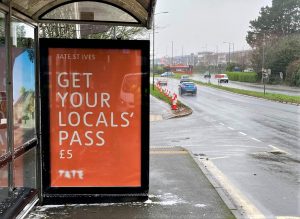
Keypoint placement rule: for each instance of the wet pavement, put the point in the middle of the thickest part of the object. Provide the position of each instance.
(178, 189)
(253, 143)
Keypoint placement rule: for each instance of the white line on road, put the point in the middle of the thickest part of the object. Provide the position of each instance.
(287, 217)
(216, 158)
(240, 200)
(255, 139)
(242, 133)
(230, 128)
(221, 123)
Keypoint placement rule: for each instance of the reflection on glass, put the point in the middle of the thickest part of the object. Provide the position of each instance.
(24, 170)
(89, 10)
(3, 183)
(3, 120)
(23, 82)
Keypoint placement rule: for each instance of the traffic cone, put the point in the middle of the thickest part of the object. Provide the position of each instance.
(174, 102)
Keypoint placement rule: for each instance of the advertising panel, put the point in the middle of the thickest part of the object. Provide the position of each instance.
(95, 112)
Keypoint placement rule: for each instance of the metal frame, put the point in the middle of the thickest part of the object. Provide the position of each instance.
(9, 92)
(12, 152)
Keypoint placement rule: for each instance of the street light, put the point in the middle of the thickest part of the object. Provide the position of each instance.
(229, 43)
(153, 27)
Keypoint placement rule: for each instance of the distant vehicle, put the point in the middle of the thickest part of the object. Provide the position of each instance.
(207, 75)
(162, 82)
(184, 77)
(167, 74)
(236, 69)
(222, 78)
(187, 87)
(249, 70)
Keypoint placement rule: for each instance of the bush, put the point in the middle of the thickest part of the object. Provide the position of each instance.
(296, 79)
(242, 76)
(293, 73)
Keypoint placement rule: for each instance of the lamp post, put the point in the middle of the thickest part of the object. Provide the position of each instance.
(153, 27)
(229, 43)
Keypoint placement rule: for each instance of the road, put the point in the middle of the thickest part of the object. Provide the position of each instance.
(254, 143)
(278, 89)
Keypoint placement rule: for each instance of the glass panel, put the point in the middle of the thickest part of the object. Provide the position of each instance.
(24, 170)
(23, 82)
(90, 11)
(3, 121)
(3, 183)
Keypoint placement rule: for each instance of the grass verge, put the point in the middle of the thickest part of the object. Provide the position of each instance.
(156, 93)
(268, 96)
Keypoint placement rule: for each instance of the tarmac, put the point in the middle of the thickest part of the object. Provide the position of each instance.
(178, 189)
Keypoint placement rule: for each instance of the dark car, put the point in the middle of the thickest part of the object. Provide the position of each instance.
(187, 88)
(207, 75)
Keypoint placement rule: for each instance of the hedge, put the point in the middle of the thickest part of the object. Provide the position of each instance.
(242, 76)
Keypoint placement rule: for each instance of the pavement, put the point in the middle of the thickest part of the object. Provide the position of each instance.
(178, 189)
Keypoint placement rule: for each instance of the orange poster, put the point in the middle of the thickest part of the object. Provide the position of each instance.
(95, 117)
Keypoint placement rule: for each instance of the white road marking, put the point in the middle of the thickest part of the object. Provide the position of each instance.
(240, 200)
(216, 158)
(230, 128)
(224, 145)
(278, 149)
(287, 217)
(255, 139)
(242, 133)
(221, 123)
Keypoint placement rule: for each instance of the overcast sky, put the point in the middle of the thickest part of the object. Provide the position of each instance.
(198, 25)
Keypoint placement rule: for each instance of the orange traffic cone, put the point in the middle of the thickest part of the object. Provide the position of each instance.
(174, 102)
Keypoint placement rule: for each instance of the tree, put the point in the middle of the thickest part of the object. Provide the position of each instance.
(282, 52)
(22, 90)
(282, 19)
(275, 36)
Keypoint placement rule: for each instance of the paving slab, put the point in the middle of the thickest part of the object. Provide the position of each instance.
(178, 189)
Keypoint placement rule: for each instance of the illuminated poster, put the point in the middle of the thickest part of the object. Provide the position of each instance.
(95, 98)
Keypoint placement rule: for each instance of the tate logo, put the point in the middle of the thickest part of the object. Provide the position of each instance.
(71, 174)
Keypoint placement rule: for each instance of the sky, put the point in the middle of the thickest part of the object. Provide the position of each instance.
(23, 78)
(203, 25)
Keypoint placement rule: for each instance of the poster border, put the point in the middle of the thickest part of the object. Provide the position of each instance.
(92, 194)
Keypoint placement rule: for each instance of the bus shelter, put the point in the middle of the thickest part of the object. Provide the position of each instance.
(24, 87)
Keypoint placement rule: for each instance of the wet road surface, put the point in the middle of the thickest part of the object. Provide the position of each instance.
(253, 142)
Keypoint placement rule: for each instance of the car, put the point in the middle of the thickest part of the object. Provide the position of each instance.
(162, 82)
(249, 70)
(187, 87)
(167, 74)
(207, 75)
(222, 78)
(185, 80)
(184, 77)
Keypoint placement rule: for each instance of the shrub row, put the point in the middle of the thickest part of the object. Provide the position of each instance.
(268, 96)
(242, 76)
